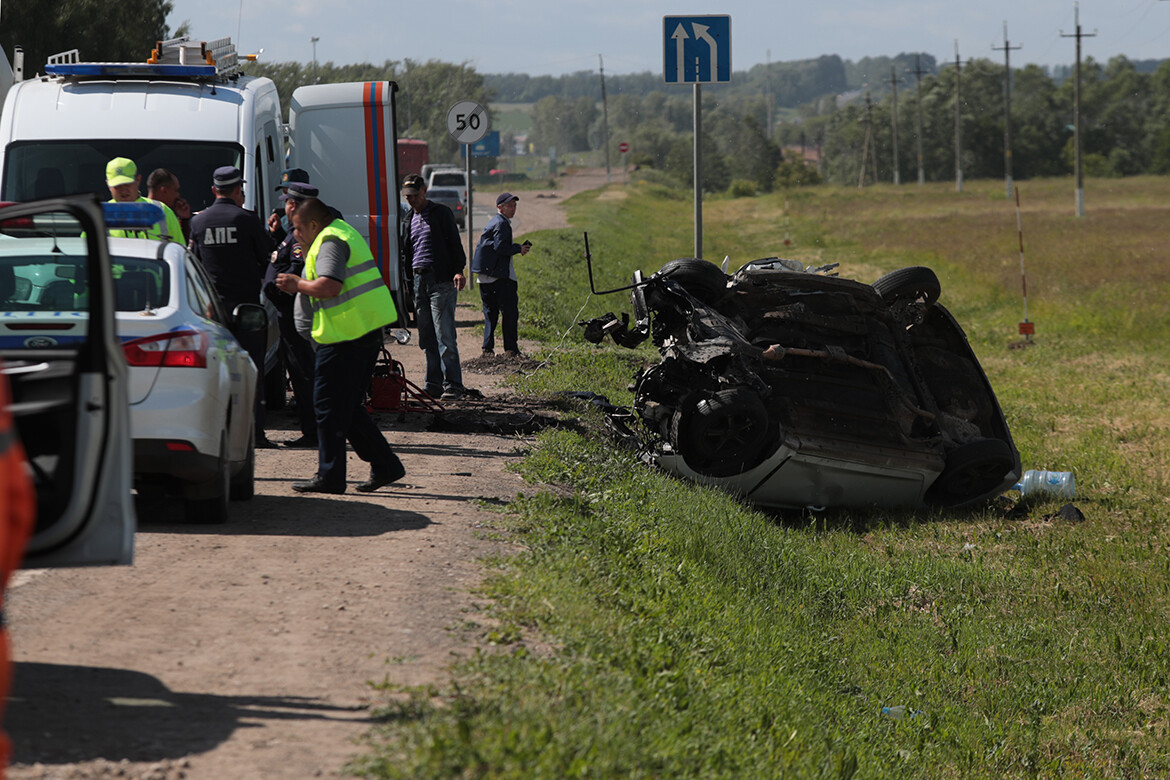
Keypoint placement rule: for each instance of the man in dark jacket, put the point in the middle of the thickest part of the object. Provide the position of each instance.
(234, 247)
(497, 278)
(433, 248)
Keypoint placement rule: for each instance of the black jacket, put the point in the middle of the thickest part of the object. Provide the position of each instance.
(234, 247)
(448, 247)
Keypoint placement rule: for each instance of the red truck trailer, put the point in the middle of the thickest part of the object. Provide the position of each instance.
(412, 156)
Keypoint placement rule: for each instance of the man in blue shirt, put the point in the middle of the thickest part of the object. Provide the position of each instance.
(433, 248)
(497, 277)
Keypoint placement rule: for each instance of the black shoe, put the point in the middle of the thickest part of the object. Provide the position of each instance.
(303, 443)
(317, 485)
(382, 476)
(263, 443)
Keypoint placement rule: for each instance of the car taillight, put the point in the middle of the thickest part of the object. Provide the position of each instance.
(180, 349)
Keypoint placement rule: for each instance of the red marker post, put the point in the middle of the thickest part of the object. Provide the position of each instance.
(1026, 328)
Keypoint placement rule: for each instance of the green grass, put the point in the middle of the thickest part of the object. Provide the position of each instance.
(652, 628)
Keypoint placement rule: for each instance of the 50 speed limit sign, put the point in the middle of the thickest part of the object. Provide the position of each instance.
(467, 122)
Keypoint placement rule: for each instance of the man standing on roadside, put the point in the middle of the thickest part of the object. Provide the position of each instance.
(347, 304)
(289, 258)
(234, 248)
(498, 288)
(435, 252)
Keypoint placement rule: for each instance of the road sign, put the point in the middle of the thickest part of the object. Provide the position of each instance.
(488, 146)
(696, 49)
(467, 122)
(623, 147)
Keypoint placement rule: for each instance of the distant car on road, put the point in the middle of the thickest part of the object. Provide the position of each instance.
(793, 387)
(452, 200)
(191, 384)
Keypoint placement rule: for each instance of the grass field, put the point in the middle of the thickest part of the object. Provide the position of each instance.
(651, 628)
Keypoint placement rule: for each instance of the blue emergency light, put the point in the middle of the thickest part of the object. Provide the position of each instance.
(129, 69)
(131, 215)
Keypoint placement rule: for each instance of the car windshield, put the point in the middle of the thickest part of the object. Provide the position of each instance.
(46, 169)
(442, 194)
(44, 289)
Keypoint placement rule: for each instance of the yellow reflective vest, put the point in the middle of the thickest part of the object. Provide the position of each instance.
(364, 302)
(171, 230)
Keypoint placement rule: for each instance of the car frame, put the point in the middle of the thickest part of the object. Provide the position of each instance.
(793, 387)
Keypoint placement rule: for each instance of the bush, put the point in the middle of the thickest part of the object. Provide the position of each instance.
(742, 188)
(796, 173)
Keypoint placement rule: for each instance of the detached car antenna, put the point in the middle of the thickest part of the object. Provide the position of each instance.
(589, 264)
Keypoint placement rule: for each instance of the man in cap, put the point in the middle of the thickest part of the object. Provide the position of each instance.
(432, 245)
(123, 179)
(498, 289)
(234, 248)
(289, 258)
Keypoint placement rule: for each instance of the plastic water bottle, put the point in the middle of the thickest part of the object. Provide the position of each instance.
(1054, 483)
(900, 711)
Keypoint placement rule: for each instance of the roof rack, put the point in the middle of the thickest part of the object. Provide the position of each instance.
(179, 57)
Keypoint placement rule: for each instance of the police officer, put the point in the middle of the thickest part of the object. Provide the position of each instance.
(347, 304)
(234, 248)
(289, 258)
(123, 180)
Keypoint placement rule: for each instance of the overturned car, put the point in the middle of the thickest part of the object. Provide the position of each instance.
(793, 387)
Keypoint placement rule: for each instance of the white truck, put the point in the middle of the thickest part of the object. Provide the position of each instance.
(189, 107)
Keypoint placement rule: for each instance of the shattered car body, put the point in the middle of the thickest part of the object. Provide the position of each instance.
(796, 388)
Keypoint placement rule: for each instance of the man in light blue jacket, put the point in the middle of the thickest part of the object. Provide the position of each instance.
(497, 277)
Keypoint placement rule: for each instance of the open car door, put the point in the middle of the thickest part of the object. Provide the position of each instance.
(69, 388)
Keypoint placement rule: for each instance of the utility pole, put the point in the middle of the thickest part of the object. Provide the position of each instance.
(768, 91)
(1077, 109)
(918, 71)
(865, 145)
(313, 41)
(958, 124)
(1007, 109)
(894, 83)
(604, 115)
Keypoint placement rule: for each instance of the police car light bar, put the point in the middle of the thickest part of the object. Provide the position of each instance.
(131, 215)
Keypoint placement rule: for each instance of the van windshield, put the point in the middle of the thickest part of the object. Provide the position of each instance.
(43, 169)
(448, 179)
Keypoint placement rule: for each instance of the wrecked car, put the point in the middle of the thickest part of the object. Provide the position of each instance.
(794, 387)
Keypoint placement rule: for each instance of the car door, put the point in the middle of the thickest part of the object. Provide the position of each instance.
(68, 377)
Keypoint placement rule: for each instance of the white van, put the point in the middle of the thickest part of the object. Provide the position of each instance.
(190, 109)
(452, 178)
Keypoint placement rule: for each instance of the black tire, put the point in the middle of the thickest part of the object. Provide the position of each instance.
(973, 471)
(243, 482)
(276, 387)
(722, 434)
(701, 278)
(206, 503)
(916, 282)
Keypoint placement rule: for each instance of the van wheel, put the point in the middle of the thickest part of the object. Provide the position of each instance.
(722, 434)
(206, 503)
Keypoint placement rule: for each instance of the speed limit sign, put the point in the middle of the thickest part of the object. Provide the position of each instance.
(467, 122)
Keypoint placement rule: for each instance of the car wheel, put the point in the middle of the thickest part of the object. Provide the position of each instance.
(243, 484)
(909, 284)
(972, 470)
(275, 387)
(206, 503)
(701, 278)
(722, 434)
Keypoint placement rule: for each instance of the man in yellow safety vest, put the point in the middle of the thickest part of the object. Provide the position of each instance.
(342, 305)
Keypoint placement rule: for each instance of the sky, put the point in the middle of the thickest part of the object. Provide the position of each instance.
(554, 37)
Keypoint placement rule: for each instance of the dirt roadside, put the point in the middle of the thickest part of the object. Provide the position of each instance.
(245, 651)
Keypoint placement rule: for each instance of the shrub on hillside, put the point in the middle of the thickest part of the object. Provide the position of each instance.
(742, 188)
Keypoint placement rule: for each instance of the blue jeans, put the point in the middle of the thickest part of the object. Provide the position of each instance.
(342, 374)
(434, 307)
(500, 298)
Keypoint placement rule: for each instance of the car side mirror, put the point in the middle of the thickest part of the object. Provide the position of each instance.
(249, 318)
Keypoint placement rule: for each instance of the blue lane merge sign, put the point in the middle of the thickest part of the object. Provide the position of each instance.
(696, 49)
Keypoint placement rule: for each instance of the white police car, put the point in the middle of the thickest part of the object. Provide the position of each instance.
(191, 384)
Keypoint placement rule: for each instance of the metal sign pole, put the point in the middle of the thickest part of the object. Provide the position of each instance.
(470, 230)
(698, 171)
